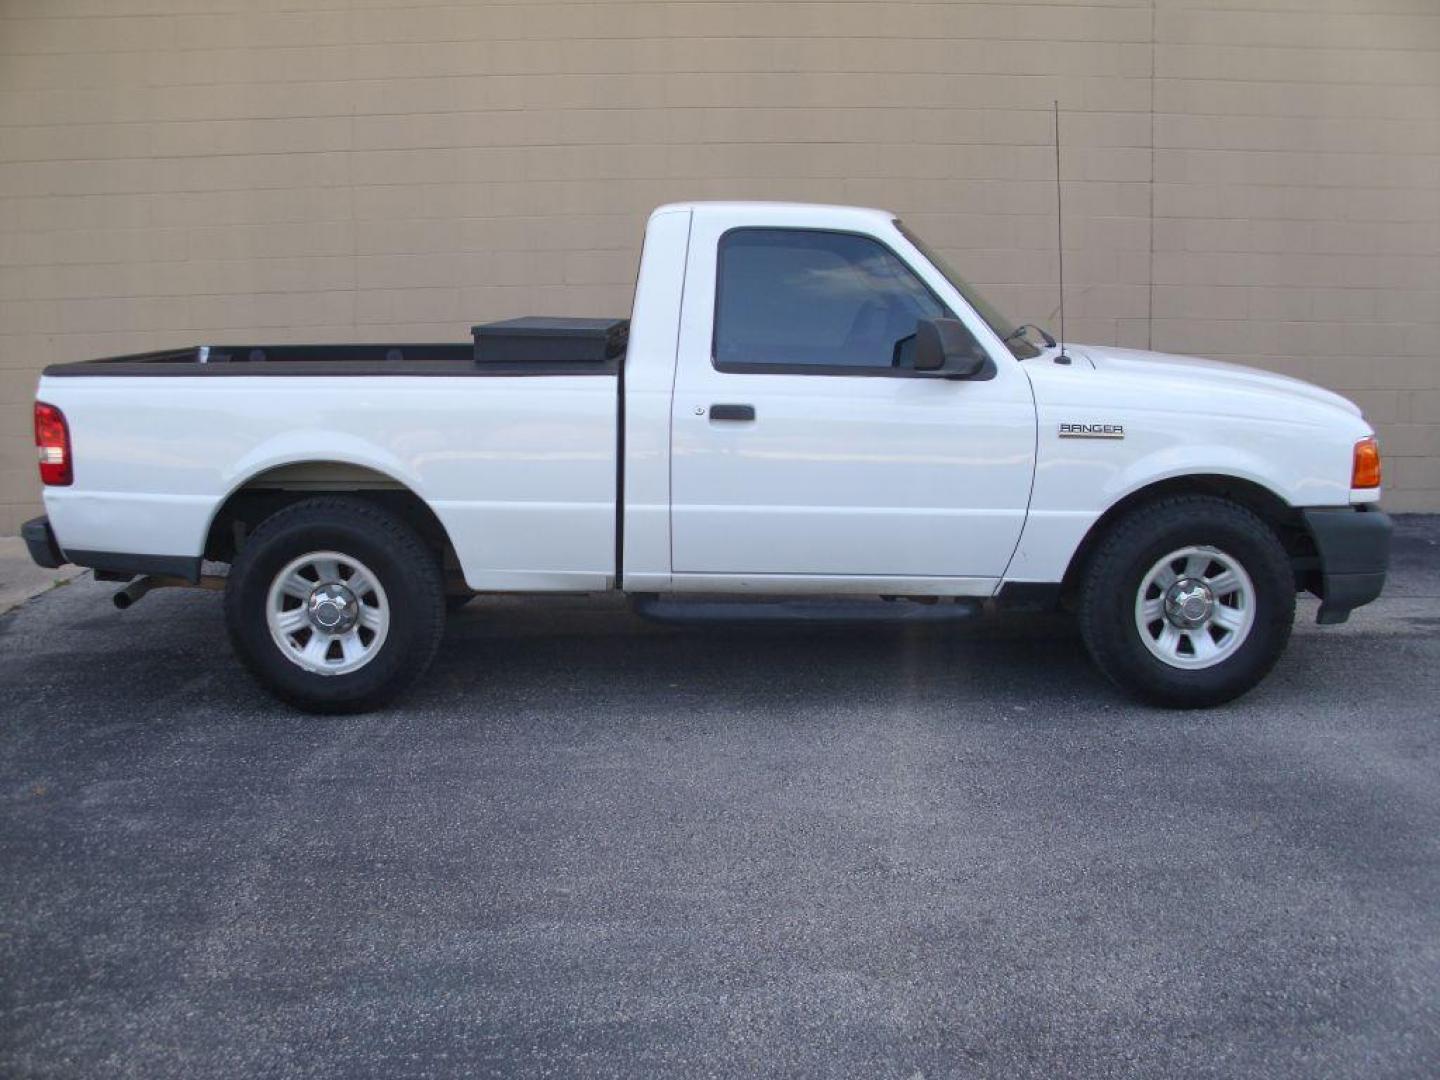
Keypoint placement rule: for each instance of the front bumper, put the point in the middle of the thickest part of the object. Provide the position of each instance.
(40, 539)
(1354, 549)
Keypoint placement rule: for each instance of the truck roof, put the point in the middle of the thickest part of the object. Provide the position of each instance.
(740, 206)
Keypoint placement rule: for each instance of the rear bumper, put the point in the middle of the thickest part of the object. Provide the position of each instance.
(1354, 549)
(40, 540)
(108, 565)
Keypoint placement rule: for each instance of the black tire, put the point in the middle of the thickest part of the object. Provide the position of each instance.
(1113, 578)
(408, 571)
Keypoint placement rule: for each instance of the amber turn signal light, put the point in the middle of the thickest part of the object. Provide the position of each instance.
(1366, 471)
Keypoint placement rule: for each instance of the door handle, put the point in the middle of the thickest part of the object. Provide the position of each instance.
(732, 412)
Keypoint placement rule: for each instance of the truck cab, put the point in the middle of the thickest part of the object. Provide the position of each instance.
(779, 436)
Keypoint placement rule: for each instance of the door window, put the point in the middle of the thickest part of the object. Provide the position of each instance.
(797, 300)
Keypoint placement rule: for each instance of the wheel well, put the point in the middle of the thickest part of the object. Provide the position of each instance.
(1283, 518)
(274, 489)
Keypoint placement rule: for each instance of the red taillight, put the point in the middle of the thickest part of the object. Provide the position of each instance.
(52, 439)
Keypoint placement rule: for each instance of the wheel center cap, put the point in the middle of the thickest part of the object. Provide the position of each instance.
(332, 608)
(1188, 602)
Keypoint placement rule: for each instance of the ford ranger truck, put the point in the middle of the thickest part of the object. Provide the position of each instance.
(808, 413)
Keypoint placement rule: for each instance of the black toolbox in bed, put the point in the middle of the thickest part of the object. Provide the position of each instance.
(544, 338)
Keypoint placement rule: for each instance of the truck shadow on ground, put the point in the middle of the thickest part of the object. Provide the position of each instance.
(602, 652)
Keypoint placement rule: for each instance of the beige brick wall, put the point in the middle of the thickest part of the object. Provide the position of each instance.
(1248, 179)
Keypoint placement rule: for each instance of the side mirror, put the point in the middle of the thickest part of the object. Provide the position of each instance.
(945, 347)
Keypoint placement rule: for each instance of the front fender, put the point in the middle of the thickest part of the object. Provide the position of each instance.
(1077, 480)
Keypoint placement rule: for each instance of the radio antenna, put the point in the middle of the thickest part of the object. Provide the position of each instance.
(1060, 357)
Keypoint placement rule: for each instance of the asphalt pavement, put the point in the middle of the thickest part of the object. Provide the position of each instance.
(589, 846)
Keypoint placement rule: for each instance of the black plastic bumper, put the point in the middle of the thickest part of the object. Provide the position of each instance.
(1354, 548)
(108, 565)
(40, 539)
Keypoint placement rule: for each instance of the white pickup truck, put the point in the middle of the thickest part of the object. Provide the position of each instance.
(813, 413)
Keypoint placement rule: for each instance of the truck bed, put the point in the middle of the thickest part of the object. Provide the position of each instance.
(522, 476)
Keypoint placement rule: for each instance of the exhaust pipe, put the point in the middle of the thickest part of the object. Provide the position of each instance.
(132, 592)
(142, 585)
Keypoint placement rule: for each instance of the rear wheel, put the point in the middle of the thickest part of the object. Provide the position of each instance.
(1188, 602)
(335, 605)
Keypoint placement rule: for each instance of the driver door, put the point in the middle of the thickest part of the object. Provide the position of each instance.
(805, 449)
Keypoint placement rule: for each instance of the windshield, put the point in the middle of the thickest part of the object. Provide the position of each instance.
(994, 318)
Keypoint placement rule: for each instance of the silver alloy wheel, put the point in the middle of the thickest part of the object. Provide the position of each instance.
(1195, 607)
(328, 613)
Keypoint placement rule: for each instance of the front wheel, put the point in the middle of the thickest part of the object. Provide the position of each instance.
(335, 605)
(1188, 602)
